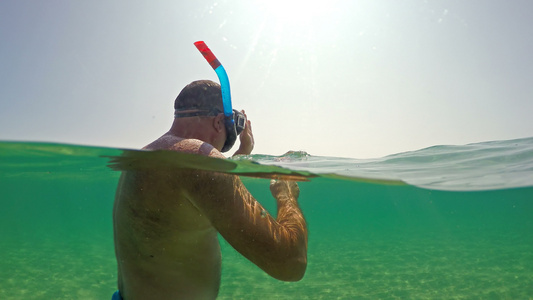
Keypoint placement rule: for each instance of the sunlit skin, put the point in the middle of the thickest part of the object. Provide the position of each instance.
(166, 222)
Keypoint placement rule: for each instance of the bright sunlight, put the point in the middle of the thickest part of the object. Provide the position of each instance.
(295, 12)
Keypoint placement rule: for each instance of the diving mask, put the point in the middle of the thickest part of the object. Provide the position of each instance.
(235, 124)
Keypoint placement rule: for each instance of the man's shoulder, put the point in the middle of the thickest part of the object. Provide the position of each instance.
(193, 146)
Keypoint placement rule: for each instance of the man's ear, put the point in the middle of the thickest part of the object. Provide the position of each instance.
(218, 122)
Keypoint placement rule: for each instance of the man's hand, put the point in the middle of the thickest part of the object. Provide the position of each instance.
(246, 138)
(284, 190)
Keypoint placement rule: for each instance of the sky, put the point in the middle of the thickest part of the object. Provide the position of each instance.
(340, 78)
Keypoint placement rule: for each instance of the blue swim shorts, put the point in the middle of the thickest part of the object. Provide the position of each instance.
(116, 296)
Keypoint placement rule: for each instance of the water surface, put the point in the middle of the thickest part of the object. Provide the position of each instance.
(442, 222)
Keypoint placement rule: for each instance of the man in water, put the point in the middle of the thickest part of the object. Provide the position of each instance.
(166, 221)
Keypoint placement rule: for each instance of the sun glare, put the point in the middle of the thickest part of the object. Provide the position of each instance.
(295, 12)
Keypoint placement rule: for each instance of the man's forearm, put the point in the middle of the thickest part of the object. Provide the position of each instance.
(243, 151)
(292, 219)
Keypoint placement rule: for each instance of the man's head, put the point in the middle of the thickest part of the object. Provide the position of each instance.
(201, 97)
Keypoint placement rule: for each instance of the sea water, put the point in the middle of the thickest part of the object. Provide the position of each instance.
(446, 222)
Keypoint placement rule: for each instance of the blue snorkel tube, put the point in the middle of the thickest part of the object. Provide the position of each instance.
(229, 121)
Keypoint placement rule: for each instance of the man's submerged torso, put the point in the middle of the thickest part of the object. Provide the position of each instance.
(165, 247)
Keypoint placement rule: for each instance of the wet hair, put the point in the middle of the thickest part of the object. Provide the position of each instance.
(201, 95)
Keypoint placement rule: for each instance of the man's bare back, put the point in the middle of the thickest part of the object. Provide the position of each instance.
(166, 225)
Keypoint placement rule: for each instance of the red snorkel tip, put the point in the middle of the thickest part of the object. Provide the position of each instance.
(208, 55)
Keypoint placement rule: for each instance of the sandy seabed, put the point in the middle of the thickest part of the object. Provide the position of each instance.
(479, 267)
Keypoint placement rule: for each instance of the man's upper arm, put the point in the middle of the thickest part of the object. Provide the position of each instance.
(243, 222)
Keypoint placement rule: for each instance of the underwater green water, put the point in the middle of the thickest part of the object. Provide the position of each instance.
(367, 239)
